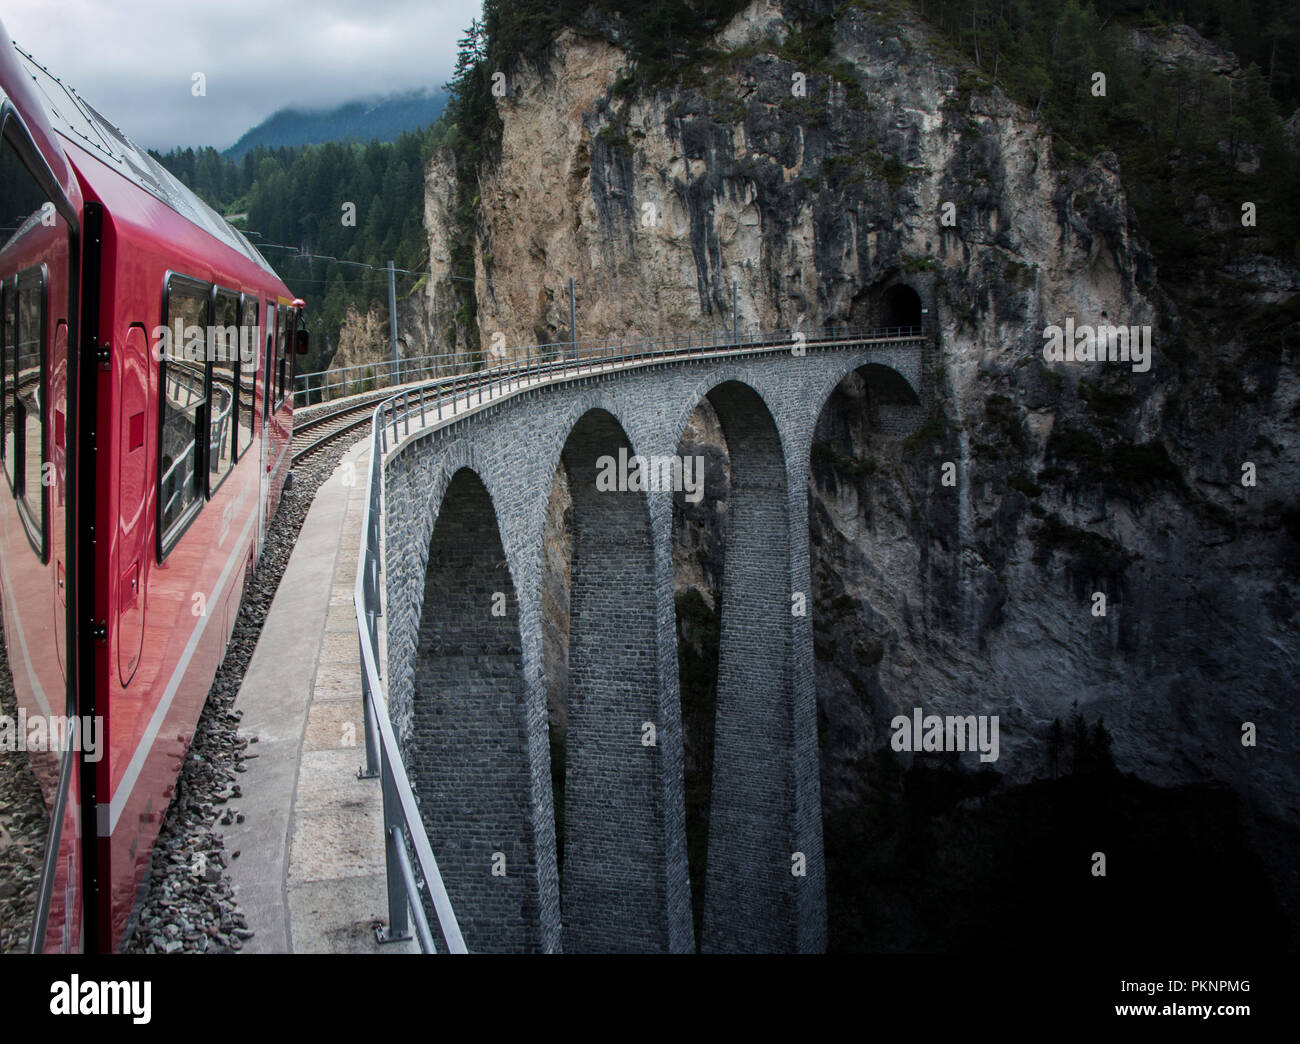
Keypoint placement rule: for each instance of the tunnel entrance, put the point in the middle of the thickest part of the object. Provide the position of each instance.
(902, 307)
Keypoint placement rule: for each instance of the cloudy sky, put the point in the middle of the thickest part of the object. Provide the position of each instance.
(135, 60)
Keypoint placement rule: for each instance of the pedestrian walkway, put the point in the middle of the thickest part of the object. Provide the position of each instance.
(310, 874)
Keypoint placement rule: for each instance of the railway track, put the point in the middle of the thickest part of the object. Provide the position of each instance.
(314, 434)
(311, 436)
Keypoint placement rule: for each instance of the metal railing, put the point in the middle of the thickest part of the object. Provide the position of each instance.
(384, 758)
(402, 820)
(220, 440)
(327, 385)
(168, 483)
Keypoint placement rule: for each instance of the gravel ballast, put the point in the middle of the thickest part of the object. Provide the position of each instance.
(24, 826)
(189, 906)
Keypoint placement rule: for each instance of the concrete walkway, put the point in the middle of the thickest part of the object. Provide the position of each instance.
(310, 874)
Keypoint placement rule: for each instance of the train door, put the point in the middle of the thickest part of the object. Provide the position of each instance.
(264, 470)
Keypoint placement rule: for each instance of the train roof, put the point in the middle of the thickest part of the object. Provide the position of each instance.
(74, 118)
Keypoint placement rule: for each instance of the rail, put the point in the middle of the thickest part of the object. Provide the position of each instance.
(402, 818)
(168, 483)
(221, 420)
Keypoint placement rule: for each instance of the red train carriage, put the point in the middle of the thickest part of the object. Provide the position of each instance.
(140, 471)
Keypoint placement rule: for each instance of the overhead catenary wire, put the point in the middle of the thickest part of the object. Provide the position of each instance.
(313, 282)
(326, 257)
(298, 252)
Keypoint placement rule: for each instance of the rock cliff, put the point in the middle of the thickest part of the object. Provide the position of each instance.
(364, 337)
(819, 182)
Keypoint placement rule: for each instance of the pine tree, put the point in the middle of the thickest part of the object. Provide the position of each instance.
(1080, 747)
(1103, 761)
(1055, 746)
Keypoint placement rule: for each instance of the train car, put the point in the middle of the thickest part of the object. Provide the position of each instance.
(146, 365)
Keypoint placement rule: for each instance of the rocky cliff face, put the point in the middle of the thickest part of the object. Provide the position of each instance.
(364, 338)
(821, 182)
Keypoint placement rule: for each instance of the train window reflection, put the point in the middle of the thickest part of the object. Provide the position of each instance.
(247, 375)
(30, 412)
(22, 204)
(34, 239)
(183, 400)
(225, 398)
(9, 362)
(281, 353)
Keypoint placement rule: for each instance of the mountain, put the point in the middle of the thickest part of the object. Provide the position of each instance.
(373, 119)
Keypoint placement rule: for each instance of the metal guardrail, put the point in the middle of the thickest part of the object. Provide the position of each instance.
(327, 385)
(383, 757)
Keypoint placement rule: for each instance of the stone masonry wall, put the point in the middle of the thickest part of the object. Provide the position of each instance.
(467, 738)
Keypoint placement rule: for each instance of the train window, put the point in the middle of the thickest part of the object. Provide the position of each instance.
(29, 419)
(183, 398)
(224, 390)
(281, 351)
(295, 324)
(33, 242)
(247, 377)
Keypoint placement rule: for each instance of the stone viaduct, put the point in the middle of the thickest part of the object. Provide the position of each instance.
(463, 521)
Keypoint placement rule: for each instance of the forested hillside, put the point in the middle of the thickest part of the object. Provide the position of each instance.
(355, 203)
(1189, 138)
(1179, 132)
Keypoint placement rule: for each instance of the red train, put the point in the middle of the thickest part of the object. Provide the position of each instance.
(140, 471)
